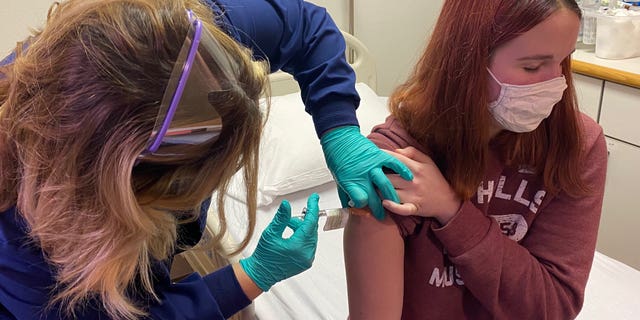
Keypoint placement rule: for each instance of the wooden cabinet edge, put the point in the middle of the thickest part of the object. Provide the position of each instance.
(604, 73)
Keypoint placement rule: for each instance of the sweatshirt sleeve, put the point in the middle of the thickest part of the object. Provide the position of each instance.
(546, 273)
(301, 39)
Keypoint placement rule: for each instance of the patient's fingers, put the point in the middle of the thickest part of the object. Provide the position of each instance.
(399, 167)
(398, 182)
(404, 209)
(414, 154)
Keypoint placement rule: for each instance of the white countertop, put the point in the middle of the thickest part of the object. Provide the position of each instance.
(587, 54)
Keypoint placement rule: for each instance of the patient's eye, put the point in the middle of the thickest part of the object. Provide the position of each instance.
(531, 69)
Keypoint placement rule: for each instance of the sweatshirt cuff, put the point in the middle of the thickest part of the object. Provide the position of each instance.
(466, 230)
(225, 288)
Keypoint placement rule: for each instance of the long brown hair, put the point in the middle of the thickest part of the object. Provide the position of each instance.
(443, 104)
(78, 108)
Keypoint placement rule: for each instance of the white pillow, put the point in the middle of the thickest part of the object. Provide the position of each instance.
(291, 158)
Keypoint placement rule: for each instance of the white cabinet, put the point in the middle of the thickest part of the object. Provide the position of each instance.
(620, 114)
(588, 91)
(619, 235)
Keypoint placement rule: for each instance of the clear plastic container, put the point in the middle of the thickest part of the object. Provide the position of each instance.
(589, 21)
(589, 26)
(617, 36)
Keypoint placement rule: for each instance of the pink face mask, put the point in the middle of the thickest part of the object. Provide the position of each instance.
(521, 108)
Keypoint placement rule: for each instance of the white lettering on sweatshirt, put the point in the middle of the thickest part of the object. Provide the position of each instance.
(488, 190)
(446, 277)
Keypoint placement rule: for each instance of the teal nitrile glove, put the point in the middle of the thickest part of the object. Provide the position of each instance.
(275, 258)
(356, 164)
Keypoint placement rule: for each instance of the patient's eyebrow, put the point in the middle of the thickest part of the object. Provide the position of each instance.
(537, 57)
(541, 56)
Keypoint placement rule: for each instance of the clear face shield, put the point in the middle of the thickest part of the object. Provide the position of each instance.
(186, 119)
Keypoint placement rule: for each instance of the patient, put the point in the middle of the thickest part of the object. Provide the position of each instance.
(501, 218)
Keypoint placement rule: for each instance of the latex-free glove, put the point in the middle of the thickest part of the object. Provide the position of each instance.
(275, 258)
(356, 164)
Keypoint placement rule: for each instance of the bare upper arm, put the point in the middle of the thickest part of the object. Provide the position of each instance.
(374, 261)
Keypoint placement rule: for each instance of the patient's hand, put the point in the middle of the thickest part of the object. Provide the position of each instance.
(428, 194)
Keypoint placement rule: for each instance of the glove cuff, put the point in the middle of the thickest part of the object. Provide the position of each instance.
(339, 131)
(250, 268)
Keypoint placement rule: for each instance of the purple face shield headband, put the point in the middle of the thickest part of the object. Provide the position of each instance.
(185, 117)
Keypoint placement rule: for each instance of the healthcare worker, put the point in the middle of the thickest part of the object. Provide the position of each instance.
(302, 39)
(120, 118)
(501, 219)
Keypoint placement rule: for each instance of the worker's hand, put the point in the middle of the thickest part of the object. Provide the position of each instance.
(356, 164)
(276, 258)
(428, 195)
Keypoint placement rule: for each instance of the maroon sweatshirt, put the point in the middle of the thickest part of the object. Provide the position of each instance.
(513, 251)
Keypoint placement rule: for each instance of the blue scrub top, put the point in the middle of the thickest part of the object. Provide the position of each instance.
(300, 39)
(26, 281)
(294, 36)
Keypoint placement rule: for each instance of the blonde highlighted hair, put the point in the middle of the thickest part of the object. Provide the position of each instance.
(78, 108)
